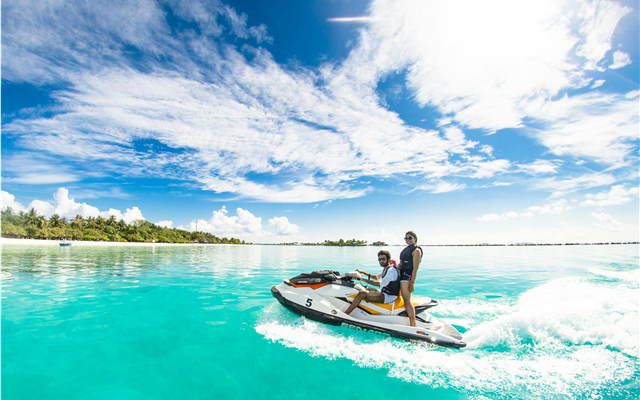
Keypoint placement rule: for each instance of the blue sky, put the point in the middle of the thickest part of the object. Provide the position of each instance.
(281, 121)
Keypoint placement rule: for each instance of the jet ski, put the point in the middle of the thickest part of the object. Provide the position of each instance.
(324, 296)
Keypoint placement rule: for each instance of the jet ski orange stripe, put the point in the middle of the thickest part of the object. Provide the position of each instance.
(385, 306)
(314, 287)
(374, 312)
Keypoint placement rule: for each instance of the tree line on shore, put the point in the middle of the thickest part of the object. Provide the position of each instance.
(341, 242)
(34, 226)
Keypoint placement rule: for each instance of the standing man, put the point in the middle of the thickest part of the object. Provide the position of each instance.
(388, 280)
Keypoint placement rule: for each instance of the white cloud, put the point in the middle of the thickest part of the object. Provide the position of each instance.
(598, 20)
(598, 83)
(445, 187)
(352, 19)
(632, 94)
(240, 29)
(480, 169)
(35, 169)
(511, 77)
(620, 59)
(473, 72)
(283, 122)
(9, 200)
(607, 222)
(132, 214)
(42, 179)
(114, 212)
(489, 217)
(220, 223)
(68, 208)
(306, 191)
(601, 127)
(618, 194)
(283, 226)
(585, 181)
(441, 187)
(275, 131)
(166, 224)
(502, 217)
(485, 148)
(541, 167)
(498, 183)
(556, 207)
(224, 119)
(45, 209)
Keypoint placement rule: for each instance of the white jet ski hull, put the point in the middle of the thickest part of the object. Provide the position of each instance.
(328, 302)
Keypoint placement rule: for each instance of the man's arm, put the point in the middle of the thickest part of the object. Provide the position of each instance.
(372, 283)
(370, 276)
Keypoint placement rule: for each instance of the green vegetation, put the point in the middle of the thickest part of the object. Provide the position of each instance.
(349, 242)
(33, 226)
(341, 242)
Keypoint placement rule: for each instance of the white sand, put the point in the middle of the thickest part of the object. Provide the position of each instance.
(39, 242)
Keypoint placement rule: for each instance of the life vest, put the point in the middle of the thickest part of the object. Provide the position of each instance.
(393, 288)
(406, 257)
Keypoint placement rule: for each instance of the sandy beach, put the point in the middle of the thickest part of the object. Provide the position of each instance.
(40, 242)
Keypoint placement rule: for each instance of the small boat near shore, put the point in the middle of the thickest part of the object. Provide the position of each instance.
(65, 244)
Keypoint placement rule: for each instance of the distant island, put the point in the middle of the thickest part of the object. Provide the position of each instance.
(364, 243)
(31, 225)
(341, 242)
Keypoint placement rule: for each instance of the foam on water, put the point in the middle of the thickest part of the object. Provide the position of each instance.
(629, 276)
(566, 312)
(566, 338)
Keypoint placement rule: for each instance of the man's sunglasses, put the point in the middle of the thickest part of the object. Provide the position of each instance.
(382, 259)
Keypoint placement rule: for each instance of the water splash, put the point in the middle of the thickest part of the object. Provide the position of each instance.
(566, 312)
(569, 338)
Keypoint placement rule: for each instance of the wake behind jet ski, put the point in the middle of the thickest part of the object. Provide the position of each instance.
(324, 296)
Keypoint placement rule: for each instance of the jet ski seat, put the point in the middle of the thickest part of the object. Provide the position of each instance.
(420, 304)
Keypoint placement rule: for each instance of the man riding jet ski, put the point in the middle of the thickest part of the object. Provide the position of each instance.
(388, 280)
(326, 296)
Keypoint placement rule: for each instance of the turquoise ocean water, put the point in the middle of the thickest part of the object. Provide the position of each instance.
(200, 323)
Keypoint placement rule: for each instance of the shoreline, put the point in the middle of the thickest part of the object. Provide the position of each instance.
(80, 243)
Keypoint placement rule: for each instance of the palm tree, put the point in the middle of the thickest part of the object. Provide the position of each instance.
(77, 222)
(100, 222)
(91, 222)
(32, 217)
(54, 220)
(8, 211)
(111, 221)
(41, 222)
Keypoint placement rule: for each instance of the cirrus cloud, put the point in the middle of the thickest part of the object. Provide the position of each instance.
(225, 114)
